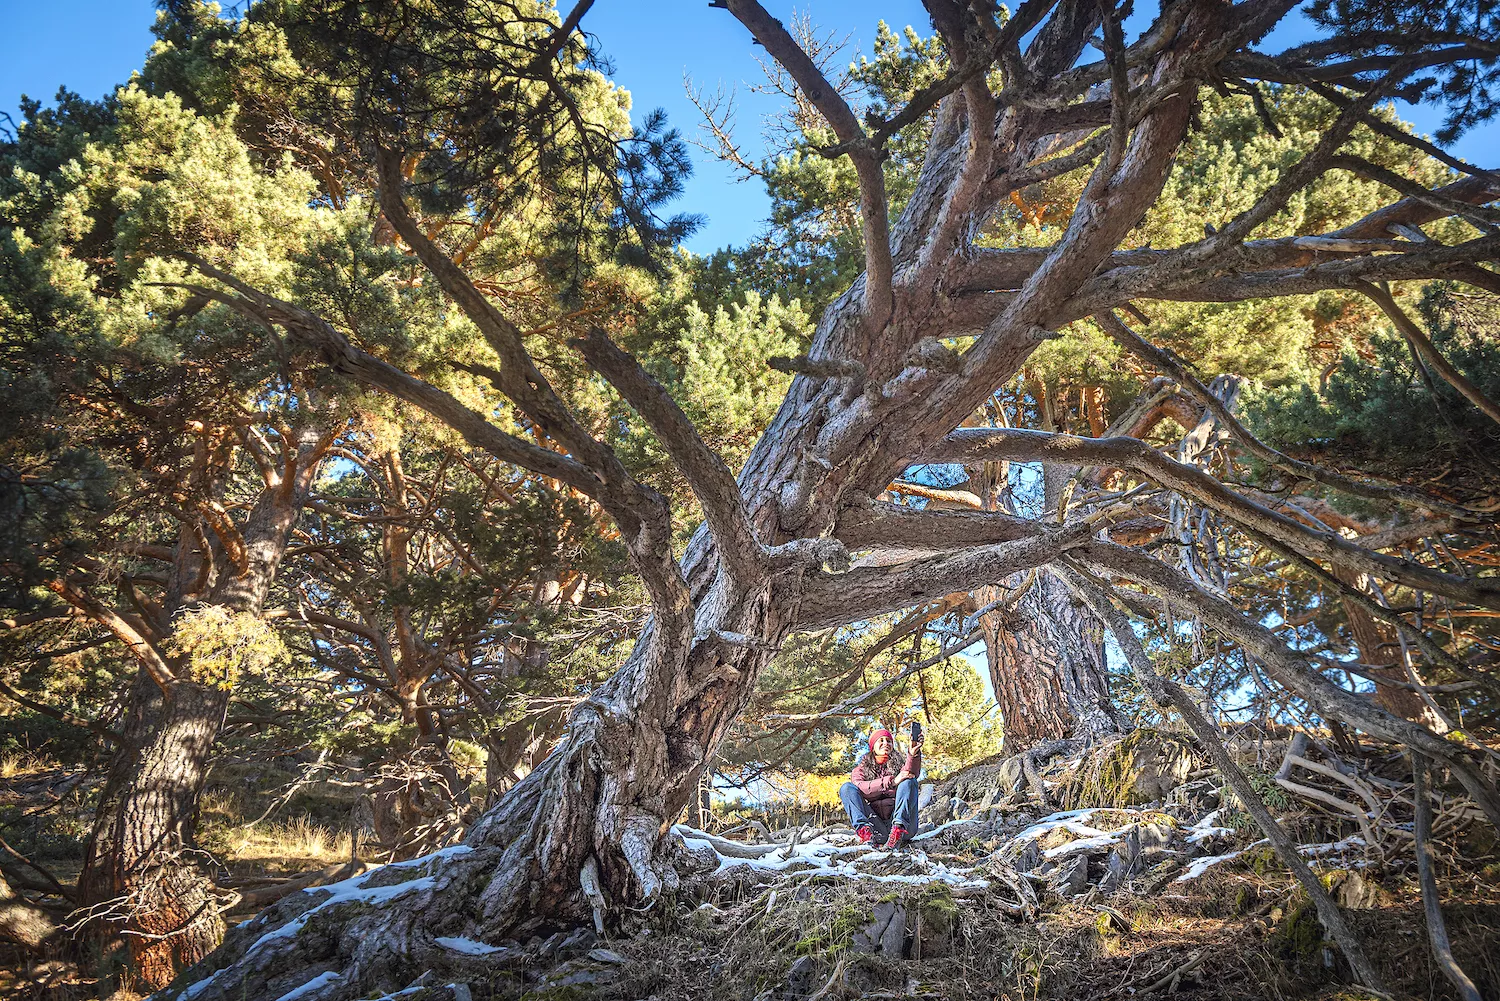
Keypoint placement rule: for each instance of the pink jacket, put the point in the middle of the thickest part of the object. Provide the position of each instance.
(876, 782)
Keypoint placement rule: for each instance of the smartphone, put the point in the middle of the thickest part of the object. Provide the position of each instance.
(916, 732)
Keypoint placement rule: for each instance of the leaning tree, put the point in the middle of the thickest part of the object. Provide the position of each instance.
(800, 539)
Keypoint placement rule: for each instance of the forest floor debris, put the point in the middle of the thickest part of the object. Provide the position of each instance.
(1178, 895)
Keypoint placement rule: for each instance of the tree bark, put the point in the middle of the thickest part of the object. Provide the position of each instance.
(140, 872)
(1046, 663)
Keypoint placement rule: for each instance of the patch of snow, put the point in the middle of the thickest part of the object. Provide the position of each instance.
(193, 990)
(315, 984)
(1206, 828)
(823, 859)
(1206, 821)
(1337, 847)
(452, 851)
(1082, 845)
(468, 946)
(343, 892)
(941, 828)
(1201, 865)
(1072, 821)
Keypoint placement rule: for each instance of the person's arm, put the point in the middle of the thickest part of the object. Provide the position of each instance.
(913, 767)
(871, 787)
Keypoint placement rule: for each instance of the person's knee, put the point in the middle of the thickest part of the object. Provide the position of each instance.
(906, 784)
(847, 788)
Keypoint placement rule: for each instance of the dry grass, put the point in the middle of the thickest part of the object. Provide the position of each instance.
(285, 845)
(14, 764)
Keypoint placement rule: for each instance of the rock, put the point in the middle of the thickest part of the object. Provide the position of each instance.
(607, 956)
(1154, 835)
(1011, 775)
(804, 977)
(982, 784)
(577, 940)
(575, 974)
(1123, 862)
(1028, 858)
(1073, 878)
(1356, 892)
(886, 934)
(1161, 765)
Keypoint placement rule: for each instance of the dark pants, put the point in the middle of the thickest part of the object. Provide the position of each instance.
(860, 812)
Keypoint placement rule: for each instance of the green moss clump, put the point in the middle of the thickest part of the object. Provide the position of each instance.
(1300, 936)
(568, 993)
(849, 919)
(1260, 860)
(937, 899)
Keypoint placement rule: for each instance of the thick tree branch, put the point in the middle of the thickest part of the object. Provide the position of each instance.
(96, 728)
(1170, 365)
(632, 505)
(709, 477)
(1112, 203)
(864, 592)
(135, 642)
(974, 445)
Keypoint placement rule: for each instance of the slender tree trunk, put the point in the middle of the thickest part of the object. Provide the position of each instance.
(1380, 647)
(139, 867)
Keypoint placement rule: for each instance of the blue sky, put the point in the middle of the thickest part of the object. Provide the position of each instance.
(92, 45)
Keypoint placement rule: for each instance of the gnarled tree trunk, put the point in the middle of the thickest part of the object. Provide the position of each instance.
(587, 834)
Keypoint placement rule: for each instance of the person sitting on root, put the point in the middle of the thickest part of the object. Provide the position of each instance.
(882, 790)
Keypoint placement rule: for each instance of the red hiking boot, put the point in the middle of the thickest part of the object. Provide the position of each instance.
(864, 832)
(898, 834)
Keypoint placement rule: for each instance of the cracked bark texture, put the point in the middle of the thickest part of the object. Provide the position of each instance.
(1045, 658)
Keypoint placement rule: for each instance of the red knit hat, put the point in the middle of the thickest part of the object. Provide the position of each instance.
(877, 733)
